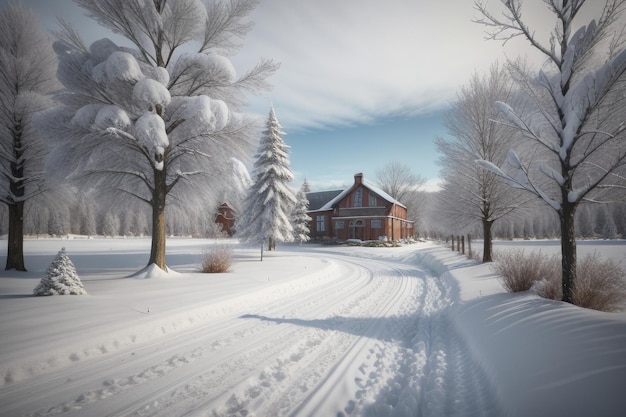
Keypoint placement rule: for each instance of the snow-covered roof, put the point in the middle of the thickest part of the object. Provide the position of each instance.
(365, 183)
(319, 198)
(381, 193)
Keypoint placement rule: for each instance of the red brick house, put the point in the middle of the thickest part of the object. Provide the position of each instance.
(225, 218)
(362, 211)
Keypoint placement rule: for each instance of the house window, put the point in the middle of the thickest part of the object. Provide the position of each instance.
(377, 224)
(357, 199)
(373, 201)
(339, 225)
(321, 223)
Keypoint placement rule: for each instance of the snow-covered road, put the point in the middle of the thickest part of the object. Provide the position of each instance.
(341, 336)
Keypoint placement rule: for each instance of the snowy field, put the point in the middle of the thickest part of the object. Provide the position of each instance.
(614, 249)
(310, 331)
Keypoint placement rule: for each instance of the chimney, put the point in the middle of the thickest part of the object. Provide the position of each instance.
(358, 178)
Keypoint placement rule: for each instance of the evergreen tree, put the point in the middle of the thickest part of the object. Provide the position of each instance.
(269, 201)
(61, 278)
(300, 219)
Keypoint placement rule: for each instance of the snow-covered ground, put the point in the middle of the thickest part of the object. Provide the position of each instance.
(310, 331)
(614, 249)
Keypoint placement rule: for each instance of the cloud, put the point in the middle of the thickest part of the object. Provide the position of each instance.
(352, 61)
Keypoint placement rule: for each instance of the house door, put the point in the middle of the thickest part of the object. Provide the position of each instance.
(356, 229)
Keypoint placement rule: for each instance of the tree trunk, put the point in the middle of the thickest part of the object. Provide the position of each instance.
(271, 244)
(157, 252)
(15, 250)
(568, 251)
(15, 244)
(488, 242)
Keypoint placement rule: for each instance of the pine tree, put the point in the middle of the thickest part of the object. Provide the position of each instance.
(269, 201)
(300, 219)
(61, 278)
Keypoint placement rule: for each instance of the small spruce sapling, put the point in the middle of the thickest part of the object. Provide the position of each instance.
(300, 219)
(61, 278)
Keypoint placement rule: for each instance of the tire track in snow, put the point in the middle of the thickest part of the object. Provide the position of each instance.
(285, 382)
(391, 374)
(431, 373)
(229, 341)
(379, 336)
(380, 325)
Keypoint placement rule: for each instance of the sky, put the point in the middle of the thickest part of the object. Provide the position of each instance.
(362, 83)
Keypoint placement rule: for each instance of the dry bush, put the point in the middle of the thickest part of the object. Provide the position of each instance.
(475, 255)
(219, 258)
(520, 272)
(600, 284)
(550, 288)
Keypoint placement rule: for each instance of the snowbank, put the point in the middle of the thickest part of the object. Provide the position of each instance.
(545, 358)
(548, 358)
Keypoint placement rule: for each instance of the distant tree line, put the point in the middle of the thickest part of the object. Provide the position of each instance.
(593, 221)
(85, 214)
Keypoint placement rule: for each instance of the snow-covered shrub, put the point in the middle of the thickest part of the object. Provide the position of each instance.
(380, 244)
(61, 278)
(600, 284)
(519, 271)
(217, 259)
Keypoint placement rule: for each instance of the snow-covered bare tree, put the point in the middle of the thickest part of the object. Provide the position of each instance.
(27, 76)
(268, 204)
(397, 180)
(300, 219)
(469, 193)
(580, 115)
(158, 121)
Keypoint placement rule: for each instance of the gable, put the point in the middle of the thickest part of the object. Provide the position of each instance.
(347, 193)
(326, 200)
(372, 187)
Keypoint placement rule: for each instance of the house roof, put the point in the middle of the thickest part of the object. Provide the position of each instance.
(341, 194)
(320, 198)
(381, 193)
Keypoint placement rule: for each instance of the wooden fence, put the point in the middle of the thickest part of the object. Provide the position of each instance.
(460, 244)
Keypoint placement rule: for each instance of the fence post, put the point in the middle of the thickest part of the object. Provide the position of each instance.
(463, 244)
